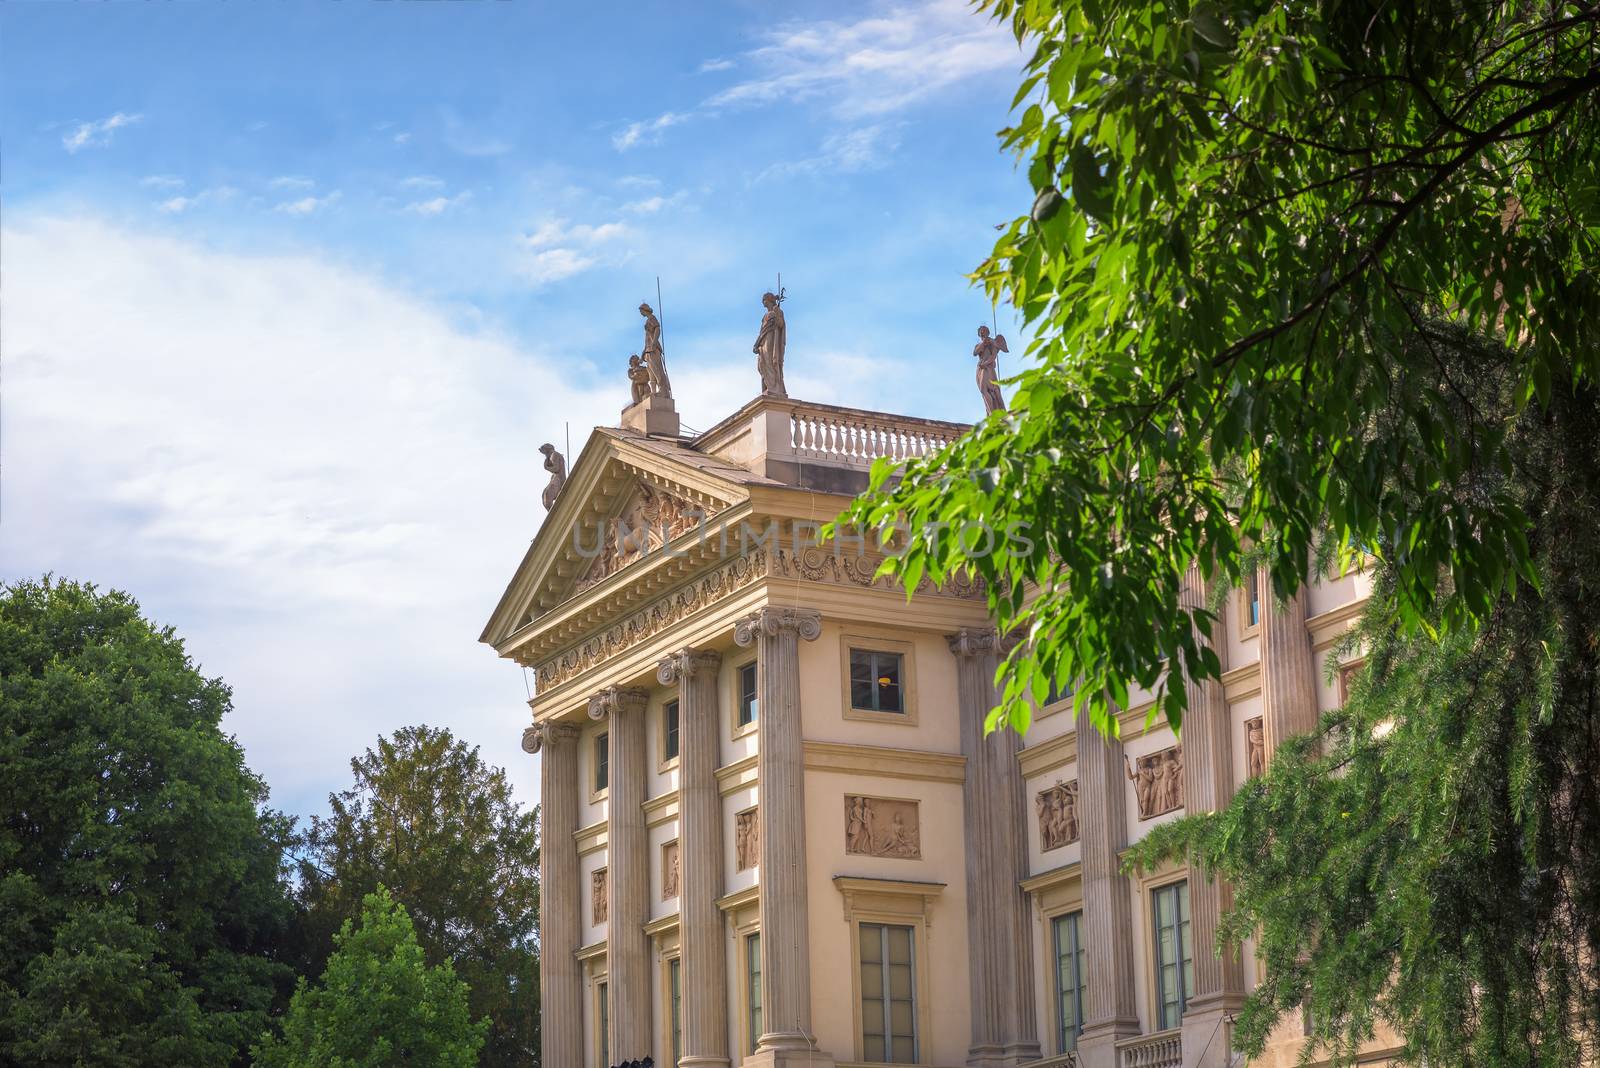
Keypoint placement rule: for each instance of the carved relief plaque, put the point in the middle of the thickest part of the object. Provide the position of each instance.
(597, 896)
(1255, 743)
(651, 518)
(669, 871)
(746, 840)
(1058, 815)
(1158, 781)
(881, 827)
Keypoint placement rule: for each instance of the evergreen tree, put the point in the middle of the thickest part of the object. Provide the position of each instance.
(427, 818)
(378, 1004)
(142, 897)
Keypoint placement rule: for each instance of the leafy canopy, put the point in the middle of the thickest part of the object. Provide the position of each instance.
(428, 819)
(378, 1004)
(1247, 216)
(142, 898)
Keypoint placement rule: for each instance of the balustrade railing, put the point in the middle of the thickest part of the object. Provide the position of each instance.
(844, 436)
(1164, 1049)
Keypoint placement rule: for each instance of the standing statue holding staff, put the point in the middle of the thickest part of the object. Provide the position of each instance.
(654, 358)
(988, 350)
(769, 346)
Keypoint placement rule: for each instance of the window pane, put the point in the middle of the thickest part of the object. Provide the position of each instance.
(752, 946)
(748, 702)
(900, 945)
(900, 1018)
(872, 1048)
(888, 681)
(672, 729)
(871, 942)
(602, 761)
(871, 979)
(899, 981)
(905, 1051)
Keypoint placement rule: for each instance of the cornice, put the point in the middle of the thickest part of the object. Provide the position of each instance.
(1049, 880)
(885, 762)
(1049, 755)
(740, 898)
(742, 772)
(590, 839)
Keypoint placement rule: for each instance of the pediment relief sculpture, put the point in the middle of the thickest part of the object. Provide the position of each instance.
(1058, 815)
(1158, 782)
(651, 519)
(882, 827)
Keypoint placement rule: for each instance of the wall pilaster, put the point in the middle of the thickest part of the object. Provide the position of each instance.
(700, 923)
(628, 880)
(560, 931)
(1288, 672)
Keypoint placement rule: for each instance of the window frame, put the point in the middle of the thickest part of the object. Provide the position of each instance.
(879, 641)
(671, 734)
(602, 1019)
(884, 963)
(752, 999)
(1067, 1043)
(741, 726)
(674, 994)
(1248, 603)
(1184, 937)
(900, 903)
(599, 741)
(877, 661)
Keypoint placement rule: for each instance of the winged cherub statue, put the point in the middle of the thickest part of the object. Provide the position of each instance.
(988, 350)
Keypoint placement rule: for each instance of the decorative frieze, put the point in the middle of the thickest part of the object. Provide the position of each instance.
(597, 896)
(1058, 815)
(746, 839)
(669, 871)
(1158, 781)
(882, 827)
(848, 568)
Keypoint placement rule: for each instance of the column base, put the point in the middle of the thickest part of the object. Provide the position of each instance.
(1208, 1034)
(688, 1061)
(809, 1057)
(1097, 1043)
(1008, 1056)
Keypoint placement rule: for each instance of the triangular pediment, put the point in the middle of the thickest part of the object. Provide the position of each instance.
(625, 497)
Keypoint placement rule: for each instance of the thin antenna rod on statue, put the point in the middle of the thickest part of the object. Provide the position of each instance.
(994, 319)
(568, 427)
(661, 313)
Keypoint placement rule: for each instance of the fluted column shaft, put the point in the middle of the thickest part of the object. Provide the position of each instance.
(785, 956)
(1288, 672)
(1000, 946)
(705, 968)
(560, 926)
(628, 878)
(1207, 787)
(1110, 1011)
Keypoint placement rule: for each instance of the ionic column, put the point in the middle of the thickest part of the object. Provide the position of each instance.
(1288, 672)
(1000, 944)
(785, 956)
(560, 929)
(705, 969)
(1110, 1012)
(628, 878)
(1207, 787)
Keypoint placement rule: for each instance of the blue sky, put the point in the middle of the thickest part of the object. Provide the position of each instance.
(293, 291)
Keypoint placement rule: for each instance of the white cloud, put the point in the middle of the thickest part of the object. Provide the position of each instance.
(161, 181)
(638, 181)
(710, 66)
(652, 205)
(402, 138)
(556, 249)
(175, 205)
(876, 64)
(308, 205)
(422, 181)
(438, 205)
(647, 132)
(862, 148)
(180, 204)
(97, 133)
(291, 181)
(318, 479)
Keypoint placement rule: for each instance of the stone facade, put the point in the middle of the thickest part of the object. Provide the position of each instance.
(825, 855)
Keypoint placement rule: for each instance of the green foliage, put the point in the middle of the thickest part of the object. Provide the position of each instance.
(1430, 859)
(141, 888)
(1248, 214)
(427, 818)
(378, 1003)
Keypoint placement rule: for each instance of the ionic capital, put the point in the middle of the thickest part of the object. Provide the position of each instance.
(974, 641)
(685, 663)
(773, 619)
(615, 699)
(538, 735)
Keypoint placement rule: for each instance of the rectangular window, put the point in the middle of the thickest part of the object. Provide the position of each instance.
(602, 761)
(749, 702)
(670, 716)
(604, 1016)
(675, 984)
(888, 995)
(1174, 954)
(875, 681)
(752, 963)
(1070, 973)
(1252, 598)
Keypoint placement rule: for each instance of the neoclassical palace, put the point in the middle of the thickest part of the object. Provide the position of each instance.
(774, 832)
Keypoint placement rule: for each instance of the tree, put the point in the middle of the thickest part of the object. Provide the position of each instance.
(142, 896)
(377, 1004)
(1309, 280)
(427, 818)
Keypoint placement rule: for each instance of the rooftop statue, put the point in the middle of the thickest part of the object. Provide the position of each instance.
(556, 464)
(988, 350)
(769, 346)
(654, 358)
(638, 378)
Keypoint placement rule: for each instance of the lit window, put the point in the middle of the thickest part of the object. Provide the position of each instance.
(602, 761)
(875, 681)
(1070, 971)
(670, 714)
(675, 984)
(888, 995)
(752, 963)
(749, 702)
(1174, 955)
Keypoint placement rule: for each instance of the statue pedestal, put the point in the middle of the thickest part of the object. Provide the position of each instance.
(654, 415)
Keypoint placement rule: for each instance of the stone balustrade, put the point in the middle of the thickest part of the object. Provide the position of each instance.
(1164, 1049)
(856, 438)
